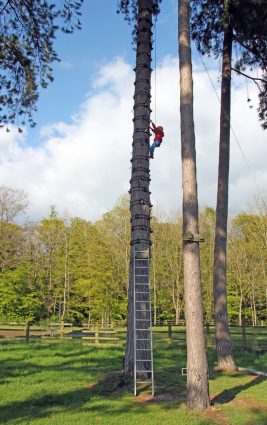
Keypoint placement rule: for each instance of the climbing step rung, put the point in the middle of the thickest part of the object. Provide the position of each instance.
(143, 360)
(149, 381)
(142, 266)
(140, 301)
(144, 311)
(142, 292)
(142, 339)
(143, 349)
(142, 371)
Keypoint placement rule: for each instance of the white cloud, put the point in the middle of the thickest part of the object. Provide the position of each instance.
(83, 167)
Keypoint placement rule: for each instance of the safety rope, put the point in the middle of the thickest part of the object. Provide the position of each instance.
(155, 69)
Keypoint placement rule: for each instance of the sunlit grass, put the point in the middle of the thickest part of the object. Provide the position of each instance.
(64, 382)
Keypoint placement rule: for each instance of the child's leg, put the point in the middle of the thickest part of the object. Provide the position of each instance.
(155, 144)
(152, 148)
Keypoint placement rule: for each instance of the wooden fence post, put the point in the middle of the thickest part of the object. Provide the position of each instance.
(244, 338)
(169, 334)
(96, 335)
(27, 331)
(61, 330)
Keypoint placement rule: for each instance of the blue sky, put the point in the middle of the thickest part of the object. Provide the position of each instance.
(104, 36)
(78, 157)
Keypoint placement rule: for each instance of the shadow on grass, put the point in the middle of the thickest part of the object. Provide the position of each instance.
(26, 361)
(109, 397)
(228, 395)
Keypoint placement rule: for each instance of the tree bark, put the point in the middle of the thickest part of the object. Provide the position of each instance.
(140, 196)
(66, 276)
(197, 369)
(155, 317)
(224, 349)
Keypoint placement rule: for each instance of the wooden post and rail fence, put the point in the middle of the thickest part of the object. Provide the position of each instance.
(244, 337)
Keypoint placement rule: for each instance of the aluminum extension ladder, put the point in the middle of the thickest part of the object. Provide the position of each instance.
(143, 346)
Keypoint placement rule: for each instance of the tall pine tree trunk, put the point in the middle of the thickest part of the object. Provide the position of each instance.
(140, 195)
(197, 368)
(222, 334)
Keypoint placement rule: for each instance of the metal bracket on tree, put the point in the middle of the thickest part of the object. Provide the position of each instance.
(191, 237)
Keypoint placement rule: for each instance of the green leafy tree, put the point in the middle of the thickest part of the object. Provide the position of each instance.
(207, 229)
(116, 230)
(167, 269)
(27, 33)
(52, 245)
(13, 202)
(19, 297)
(247, 264)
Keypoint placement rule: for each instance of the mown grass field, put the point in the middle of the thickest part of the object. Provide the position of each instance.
(63, 382)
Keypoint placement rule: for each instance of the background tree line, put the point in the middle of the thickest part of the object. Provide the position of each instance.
(76, 270)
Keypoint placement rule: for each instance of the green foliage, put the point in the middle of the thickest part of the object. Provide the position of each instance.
(130, 8)
(247, 18)
(19, 299)
(248, 264)
(27, 33)
(78, 271)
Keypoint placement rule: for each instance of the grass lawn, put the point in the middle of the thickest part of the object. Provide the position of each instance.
(63, 382)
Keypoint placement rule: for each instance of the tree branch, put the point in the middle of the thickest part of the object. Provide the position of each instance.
(254, 79)
(1, 11)
(248, 76)
(254, 52)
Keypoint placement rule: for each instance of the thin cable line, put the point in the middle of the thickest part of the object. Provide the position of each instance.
(231, 127)
(155, 70)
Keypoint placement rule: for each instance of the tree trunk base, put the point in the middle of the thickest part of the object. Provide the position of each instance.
(226, 364)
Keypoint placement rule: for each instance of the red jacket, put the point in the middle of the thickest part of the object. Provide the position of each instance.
(158, 131)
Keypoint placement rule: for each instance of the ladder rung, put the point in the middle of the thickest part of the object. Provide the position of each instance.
(143, 320)
(144, 382)
(142, 267)
(144, 330)
(141, 259)
(144, 311)
(140, 301)
(143, 349)
(136, 258)
(138, 252)
(142, 339)
(144, 360)
(142, 292)
(139, 371)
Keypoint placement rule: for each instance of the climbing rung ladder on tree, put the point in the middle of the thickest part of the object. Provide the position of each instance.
(143, 354)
